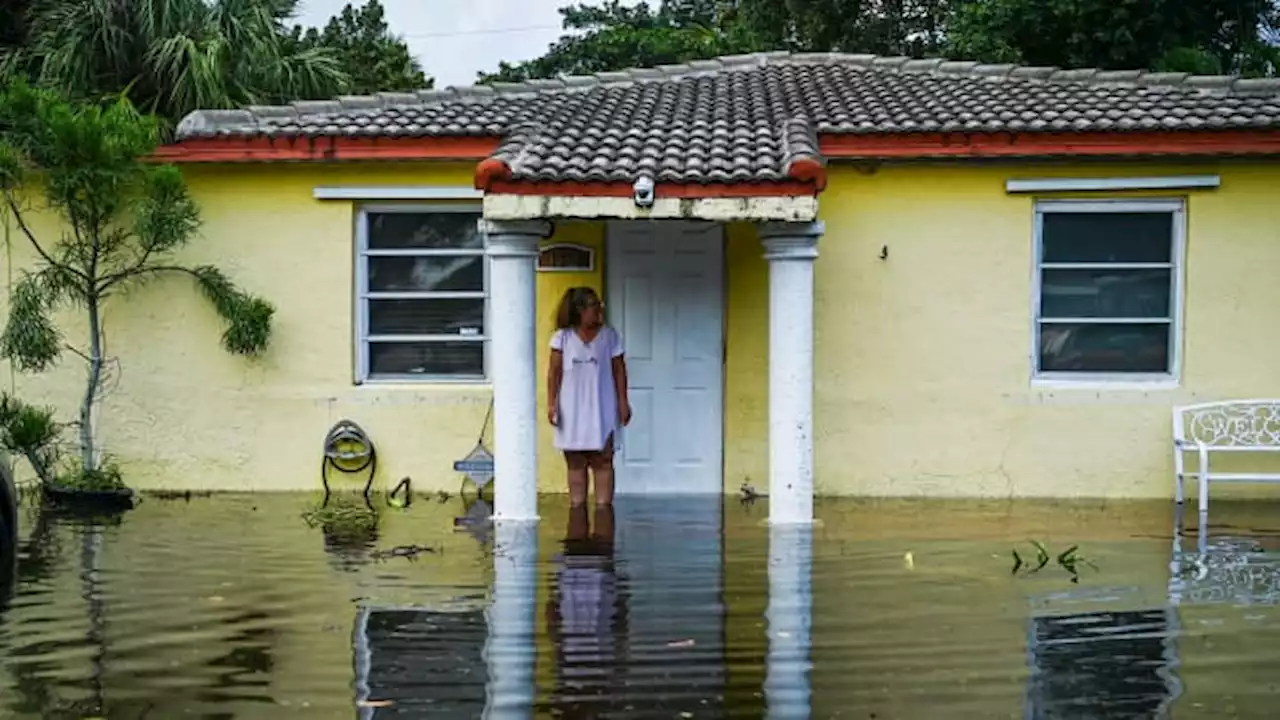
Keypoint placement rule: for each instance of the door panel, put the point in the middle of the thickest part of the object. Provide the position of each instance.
(665, 291)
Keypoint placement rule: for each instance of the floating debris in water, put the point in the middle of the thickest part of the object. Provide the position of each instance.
(1069, 560)
(409, 552)
(185, 495)
(340, 515)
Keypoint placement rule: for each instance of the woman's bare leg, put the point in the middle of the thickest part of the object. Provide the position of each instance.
(602, 472)
(577, 463)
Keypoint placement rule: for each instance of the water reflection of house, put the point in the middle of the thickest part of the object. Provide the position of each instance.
(419, 662)
(1103, 665)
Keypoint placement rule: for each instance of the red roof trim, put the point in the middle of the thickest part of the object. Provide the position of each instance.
(268, 149)
(806, 172)
(688, 191)
(490, 171)
(1094, 144)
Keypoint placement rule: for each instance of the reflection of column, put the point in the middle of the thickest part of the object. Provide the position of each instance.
(512, 248)
(789, 615)
(791, 249)
(509, 650)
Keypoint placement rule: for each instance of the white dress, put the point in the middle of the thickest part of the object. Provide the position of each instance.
(588, 399)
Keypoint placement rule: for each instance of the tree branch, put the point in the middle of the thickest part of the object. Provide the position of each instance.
(139, 270)
(26, 230)
(73, 349)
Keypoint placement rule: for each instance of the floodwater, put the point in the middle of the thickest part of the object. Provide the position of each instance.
(233, 607)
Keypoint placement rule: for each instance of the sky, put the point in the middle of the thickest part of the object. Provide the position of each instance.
(455, 39)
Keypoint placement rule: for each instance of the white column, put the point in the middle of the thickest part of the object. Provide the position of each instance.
(512, 248)
(787, 688)
(510, 651)
(791, 249)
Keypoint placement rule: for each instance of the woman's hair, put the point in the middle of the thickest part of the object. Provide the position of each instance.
(569, 314)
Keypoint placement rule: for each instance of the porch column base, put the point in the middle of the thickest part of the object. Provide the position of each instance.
(791, 249)
(512, 248)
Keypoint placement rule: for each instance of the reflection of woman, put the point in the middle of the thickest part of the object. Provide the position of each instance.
(586, 616)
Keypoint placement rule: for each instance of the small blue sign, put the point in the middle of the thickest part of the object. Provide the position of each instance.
(469, 467)
(478, 466)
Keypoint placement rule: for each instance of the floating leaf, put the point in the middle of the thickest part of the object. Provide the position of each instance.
(1042, 555)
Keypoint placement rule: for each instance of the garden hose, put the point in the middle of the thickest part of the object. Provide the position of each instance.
(349, 450)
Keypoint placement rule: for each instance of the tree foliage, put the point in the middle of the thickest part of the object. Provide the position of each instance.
(615, 35)
(1208, 36)
(123, 220)
(173, 56)
(374, 58)
(1202, 36)
(13, 16)
(170, 57)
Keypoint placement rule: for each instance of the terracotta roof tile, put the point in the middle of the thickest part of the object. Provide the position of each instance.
(756, 118)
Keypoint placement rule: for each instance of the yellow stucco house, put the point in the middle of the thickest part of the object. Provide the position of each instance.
(835, 274)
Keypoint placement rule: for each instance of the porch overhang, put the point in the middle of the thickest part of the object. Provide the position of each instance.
(770, 208)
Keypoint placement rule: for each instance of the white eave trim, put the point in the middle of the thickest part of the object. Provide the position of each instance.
(1169, 182)
(396, 192)
(802, 208)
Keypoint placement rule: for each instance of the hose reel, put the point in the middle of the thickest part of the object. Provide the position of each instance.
(349, 450)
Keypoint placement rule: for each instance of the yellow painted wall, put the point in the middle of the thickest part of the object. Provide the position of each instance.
(183, 413)
(923, 370)
(922, 360)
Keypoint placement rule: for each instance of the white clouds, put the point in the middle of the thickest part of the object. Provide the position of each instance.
(455, 39)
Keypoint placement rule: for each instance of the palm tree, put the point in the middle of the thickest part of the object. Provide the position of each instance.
(173, 56)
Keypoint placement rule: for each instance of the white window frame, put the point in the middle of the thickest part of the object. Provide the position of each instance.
(1177, 208)
(363, 295)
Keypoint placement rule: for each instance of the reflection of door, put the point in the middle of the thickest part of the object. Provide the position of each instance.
(665, 293)
(671, 554)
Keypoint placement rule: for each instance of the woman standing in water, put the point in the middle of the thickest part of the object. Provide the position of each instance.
(586, 392)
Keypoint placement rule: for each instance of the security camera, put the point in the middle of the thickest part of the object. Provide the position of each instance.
(642, 191)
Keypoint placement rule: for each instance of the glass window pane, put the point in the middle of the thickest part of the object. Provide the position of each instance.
(456, 359)
(435, 273)
(426, 317)
(1070, 347)
(1107, 237)
(398, 231)
(1105, 293)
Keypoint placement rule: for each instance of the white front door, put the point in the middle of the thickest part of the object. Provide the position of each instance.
(665, 287)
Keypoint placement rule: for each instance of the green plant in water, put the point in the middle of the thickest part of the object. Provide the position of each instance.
(106, 478)
(1069, 560)
(349, 520)
(32, 433)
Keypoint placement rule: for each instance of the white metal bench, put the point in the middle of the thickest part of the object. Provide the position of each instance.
(1227, 426)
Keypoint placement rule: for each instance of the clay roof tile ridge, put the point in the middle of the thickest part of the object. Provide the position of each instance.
(257, 119)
